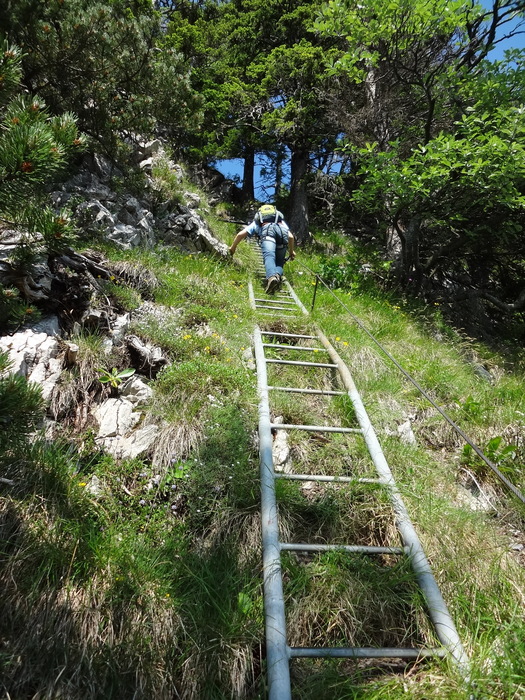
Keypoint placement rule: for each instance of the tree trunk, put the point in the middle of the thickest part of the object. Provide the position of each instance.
(298, 208)
(279, 163)
(412, 271)
(248, 181)
(381, 120)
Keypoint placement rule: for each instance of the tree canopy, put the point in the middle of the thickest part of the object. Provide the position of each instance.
(403, 94)
(104, 61)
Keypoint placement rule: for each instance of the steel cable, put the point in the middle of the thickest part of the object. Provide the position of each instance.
(411, 379)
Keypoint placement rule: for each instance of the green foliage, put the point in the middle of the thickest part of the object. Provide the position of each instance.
(21, 409)
(262, 74)
(166, 182)
(503, 456)
(373, 28)
(114, 377)
(452, 178)
(300, 115)
(14, 311)
(443, 172)
(186, 387)
(124, 297)
(110, 52)
(34, 148)
(466, 187)
(357, 270)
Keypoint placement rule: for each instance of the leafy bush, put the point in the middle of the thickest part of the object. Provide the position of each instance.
(358, 269)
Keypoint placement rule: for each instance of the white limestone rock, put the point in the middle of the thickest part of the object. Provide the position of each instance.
(116, 417)
(406, 434)
(136, 391)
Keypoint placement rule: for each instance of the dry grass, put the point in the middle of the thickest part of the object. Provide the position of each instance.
(351, 600)
(365, 361)
(176, 442)
(136, 276)
(243, 526)
(337, 455)
(337, 514)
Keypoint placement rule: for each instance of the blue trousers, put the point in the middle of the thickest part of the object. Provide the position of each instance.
(273, 257)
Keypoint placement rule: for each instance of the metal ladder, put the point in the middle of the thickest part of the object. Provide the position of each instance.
(278, 651)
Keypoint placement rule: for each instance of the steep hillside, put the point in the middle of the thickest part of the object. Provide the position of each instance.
(130, 518)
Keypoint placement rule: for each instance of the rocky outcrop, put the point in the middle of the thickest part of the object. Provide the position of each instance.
(39, 354)
(101, 211)
(71, 283)
(119, 429)
(218, 187)
(128, 221)
(33, 353)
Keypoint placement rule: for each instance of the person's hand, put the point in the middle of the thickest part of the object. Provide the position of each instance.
(231, 251)
(292, 255)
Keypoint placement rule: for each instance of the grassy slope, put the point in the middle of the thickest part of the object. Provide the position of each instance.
(153, 589)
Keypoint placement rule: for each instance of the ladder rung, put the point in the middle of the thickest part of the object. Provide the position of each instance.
(289, 335)
(297, 390)
(315, 428)
(293, 347)
(280, 314)
(303, 364)
(364, 652)
(327, 478)
(350, 548)
(273, 307)
(275, 301)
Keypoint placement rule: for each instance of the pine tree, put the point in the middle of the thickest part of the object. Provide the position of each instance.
(34, 147)
(21, 408)
(107, 63)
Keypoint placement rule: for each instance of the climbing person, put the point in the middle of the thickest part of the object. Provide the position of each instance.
(275, 239)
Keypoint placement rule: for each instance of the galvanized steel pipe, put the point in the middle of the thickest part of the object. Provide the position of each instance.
(437, 608)
(277, 657)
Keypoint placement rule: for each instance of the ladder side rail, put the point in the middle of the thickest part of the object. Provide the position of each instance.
(296, 298)
(251, 295)
(437, 608)
(277, 651)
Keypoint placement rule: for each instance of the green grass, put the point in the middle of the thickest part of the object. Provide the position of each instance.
(153, 587)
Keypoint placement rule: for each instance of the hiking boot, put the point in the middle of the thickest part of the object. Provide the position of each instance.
(272, 283)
